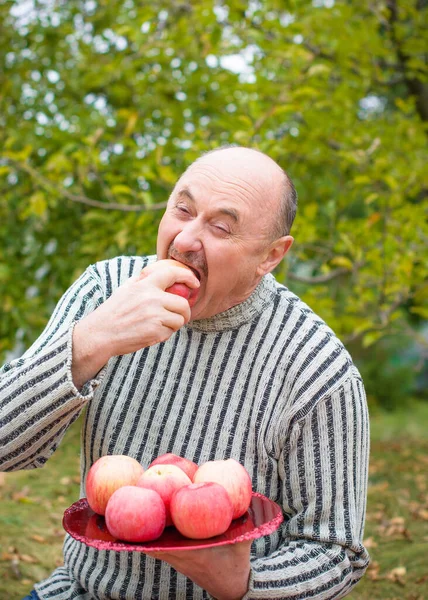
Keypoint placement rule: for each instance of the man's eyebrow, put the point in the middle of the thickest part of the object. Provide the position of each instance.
(186, 193)
(230, 212)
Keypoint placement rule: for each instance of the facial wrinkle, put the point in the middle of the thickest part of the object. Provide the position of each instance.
(243, 186)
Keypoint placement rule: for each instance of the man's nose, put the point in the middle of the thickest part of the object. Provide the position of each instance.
(188, 240)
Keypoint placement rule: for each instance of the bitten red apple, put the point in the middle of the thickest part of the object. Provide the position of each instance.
(186, 465)
(135, 514)
(108, 474)
(180, 289)
(233, 477)
(165, 480)
(201, 510)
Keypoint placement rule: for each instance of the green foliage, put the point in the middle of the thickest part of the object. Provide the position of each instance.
(103, 104)
(392, 372)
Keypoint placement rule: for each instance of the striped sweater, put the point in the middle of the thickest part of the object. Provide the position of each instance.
(266, 382)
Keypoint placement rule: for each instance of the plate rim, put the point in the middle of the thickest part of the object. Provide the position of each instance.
(262, 530)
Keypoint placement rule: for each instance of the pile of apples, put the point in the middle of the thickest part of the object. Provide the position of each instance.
(200, 501)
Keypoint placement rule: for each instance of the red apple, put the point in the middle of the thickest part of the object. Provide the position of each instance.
(233, 477)
(186, 465)
(165, 480)
(108, 474)
(201, 510)
(134, 514)
(180, 289)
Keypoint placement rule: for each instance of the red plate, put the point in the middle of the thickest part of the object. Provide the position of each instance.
(262, 518)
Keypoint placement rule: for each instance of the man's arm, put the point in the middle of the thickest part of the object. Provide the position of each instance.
(38, 399)
(42, 393)
(323, 467)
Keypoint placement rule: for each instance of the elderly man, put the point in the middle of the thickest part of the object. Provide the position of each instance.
(249, 372)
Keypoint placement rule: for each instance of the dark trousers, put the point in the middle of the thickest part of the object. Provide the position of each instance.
(32, 596)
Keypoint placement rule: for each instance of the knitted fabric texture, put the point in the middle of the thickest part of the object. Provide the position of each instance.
(266, 382)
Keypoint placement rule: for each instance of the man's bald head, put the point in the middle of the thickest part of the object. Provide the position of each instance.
(278, 187)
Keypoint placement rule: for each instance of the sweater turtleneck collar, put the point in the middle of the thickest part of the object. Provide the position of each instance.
(242, 313)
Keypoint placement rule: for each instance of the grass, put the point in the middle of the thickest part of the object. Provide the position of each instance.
(397, 511)
(33, 503)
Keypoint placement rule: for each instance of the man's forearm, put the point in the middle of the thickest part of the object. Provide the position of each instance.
(37, 404)
(89, 356)
(222, 571)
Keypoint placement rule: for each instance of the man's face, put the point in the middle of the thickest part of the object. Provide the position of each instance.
(218, 222)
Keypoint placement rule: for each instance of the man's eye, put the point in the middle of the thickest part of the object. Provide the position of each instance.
(182, 209)
(222, 228)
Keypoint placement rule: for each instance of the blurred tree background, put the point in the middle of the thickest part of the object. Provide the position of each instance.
(103, 104)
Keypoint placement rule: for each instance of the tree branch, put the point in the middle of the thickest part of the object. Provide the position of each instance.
(354, 337)
(80, 198)
(384, 317)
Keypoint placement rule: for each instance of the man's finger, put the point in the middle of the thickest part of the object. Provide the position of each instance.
(176, 305)
(174, 320)
(164, 276)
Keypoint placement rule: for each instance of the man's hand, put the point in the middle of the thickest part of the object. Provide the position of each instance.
(138, 314)
(222, 571)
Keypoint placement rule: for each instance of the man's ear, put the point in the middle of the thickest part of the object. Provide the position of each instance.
(275, 253)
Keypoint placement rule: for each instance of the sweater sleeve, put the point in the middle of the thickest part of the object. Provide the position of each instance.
(323, 468)
(38, 400)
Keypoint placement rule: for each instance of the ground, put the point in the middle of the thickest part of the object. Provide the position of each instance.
(33, 502)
